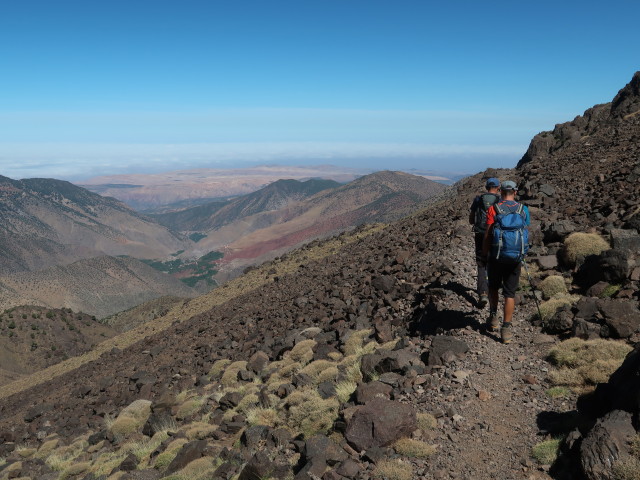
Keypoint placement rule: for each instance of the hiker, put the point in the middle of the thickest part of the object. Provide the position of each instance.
(508, 239)
(478, 218)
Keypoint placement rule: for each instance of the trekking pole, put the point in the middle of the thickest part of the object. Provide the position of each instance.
(533, 290)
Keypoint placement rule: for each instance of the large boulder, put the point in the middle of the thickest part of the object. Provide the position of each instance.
(380, 423)
(621, 316)
(607, 443)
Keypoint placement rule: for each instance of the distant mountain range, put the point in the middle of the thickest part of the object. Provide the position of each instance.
(271, 221)
(213, 215)
(60, 243)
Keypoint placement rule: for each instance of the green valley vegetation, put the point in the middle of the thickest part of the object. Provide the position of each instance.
(190, 272)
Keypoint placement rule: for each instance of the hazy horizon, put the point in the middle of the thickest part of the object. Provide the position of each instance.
(92, 88)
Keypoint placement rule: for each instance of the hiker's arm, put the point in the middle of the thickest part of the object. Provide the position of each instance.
(486, 242)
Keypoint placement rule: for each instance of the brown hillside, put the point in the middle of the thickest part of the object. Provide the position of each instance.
(33, 338)
(100, 286)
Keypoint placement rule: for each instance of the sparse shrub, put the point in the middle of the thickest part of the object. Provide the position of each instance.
(316, 367)
(199, 469)
(558, 392)
(230, 375)
(309, 413)
(24, 316)
(582, 363)
(546, 452)
(73, 470)
(12, 325)
(344, 390)
(247, 402)
(329, 374)
(627, 469)
(355, 342)
(413, 448)
(190, 406)
(49, 314)
(164, 459)
(550, 307)
(131, 418)
(262, 416)
(580, 244)
(552, 285)
(426, 421)
(219, 367)
(199, 430)
(393, 470)
(302, 352)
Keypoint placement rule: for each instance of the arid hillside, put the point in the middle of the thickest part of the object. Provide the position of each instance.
(379, 197)
(99, 286)
(33, 338)
(45, 222)
(365, 356)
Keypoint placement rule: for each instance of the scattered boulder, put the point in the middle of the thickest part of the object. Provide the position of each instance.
(607, 442)
(379, 423)
(441, 348)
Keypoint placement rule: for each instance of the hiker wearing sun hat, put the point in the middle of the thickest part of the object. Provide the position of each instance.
(478, 218)
(507, 237)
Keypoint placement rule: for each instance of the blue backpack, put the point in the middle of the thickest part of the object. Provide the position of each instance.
(510, 235)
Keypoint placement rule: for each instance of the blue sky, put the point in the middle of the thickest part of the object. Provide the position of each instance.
(93, 87)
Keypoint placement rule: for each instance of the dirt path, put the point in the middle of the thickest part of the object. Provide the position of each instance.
(488, 404)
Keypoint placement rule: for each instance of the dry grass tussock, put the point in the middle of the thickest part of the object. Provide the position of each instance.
(582, 363)
(546, 452)
(580, 244)
(553, 285)
(550, 307)
(426, 421)
(413, 448)
(131, 419)
(393, 470)
(309, 413)
(185, 310)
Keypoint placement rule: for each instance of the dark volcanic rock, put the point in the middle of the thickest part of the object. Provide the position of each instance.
(441, 345)
(188, 453)
(608, 441)
(379, 423)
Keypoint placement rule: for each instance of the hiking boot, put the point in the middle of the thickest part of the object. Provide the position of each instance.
(492, 322)
(483, 301)
(506, 333)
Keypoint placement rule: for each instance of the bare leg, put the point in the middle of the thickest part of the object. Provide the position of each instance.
(509, 306)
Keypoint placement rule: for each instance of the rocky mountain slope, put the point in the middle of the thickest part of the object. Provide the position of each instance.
(333, 357)
(45, 222)
(33, 338)
(214, 215)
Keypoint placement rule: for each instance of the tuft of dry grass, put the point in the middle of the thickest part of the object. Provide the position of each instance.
(263, 416)
(218, 367)
(309, 413)
(230, 375)
(131, 419)
(627, 469)
(550, 307)
(553, 285)
(582, 363)
(426, 421)
(393, 470)
(546, 452)
(302, 352)
(165, 458)
(190, 406)
(355, 342)
(345, 389)
(580, 244)
(413, 448)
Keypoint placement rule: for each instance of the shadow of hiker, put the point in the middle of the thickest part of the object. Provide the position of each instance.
(462, 291)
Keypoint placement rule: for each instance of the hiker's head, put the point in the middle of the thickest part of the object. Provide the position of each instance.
(508, 188)
(492, 185)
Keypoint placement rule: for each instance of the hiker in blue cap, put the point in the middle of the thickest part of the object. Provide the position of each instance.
(478, 218)
(506, 242)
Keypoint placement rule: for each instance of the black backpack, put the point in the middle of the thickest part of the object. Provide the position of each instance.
(486, 201)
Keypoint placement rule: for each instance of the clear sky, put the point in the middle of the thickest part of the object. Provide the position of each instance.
(92, 87)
